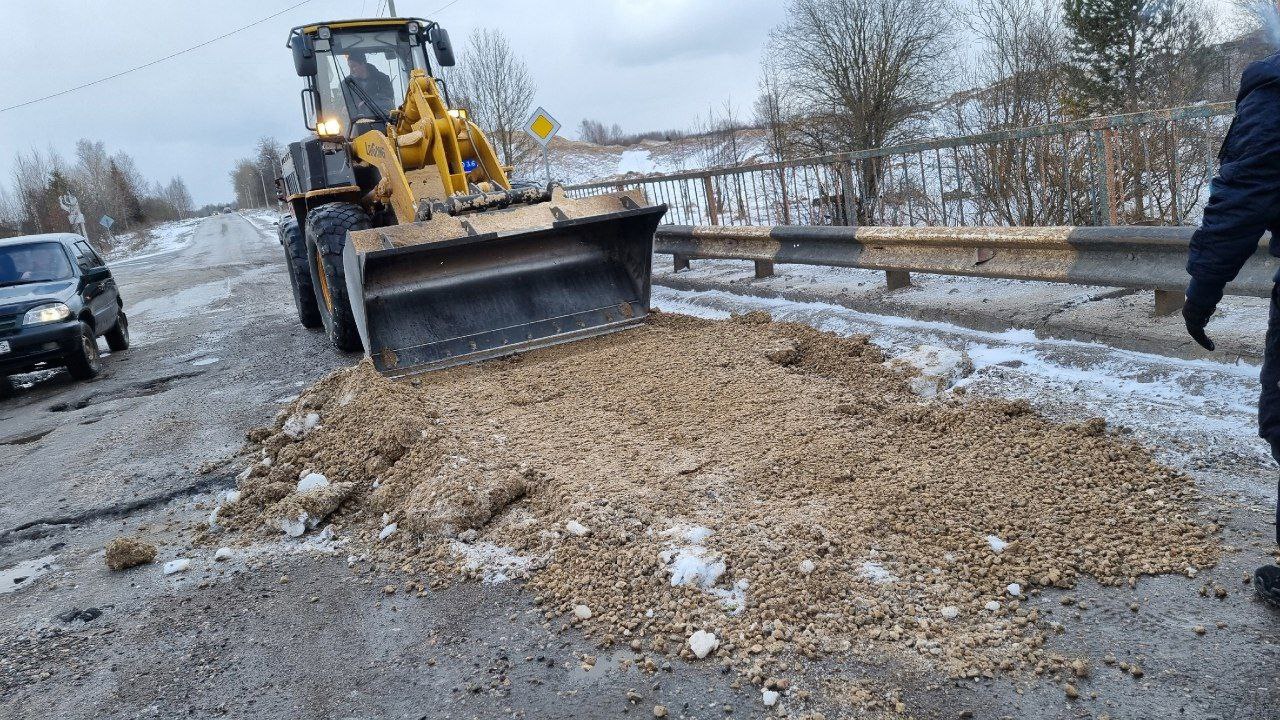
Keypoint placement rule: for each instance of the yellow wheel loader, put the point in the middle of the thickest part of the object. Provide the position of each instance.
(408, 237)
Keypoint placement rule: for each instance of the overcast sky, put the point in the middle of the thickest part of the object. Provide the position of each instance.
(644, 64)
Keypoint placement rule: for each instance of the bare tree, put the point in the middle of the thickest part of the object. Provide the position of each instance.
(596, 132)
(866, 73)
(496, 88)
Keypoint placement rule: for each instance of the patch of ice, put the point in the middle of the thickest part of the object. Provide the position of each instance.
(702, 643)
(311, 481)
(206, 361)
(388, 531)
(695, 566)
(496, 564)
(573, 527)
(233, 496)
(877, 573)
(938, 368)
(176, 566)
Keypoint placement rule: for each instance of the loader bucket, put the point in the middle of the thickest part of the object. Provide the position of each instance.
(456, 290)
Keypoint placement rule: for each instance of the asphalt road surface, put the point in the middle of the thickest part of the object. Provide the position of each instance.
(280, 631)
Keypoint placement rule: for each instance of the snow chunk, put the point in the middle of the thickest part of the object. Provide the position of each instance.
(702, 643)
(997, 545)
(769, 697)
(213, 518)
(1014, 589)
(695, 566)
(233, 496)
(992, 605)
(582, 612)
(311, 481)
(806, 567)
(933, 369)
(573, 527)
(295, 526)
(176, 566)
(951, 612)
(299, 427)
(224, 553)
(388, 531)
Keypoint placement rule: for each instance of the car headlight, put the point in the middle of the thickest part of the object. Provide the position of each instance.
(53, 312)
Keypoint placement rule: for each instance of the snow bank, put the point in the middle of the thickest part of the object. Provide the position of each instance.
(934, 369)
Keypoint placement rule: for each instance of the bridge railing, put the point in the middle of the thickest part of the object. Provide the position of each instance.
(1148, 168)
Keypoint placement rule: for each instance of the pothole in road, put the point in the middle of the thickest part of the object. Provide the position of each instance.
(26, 439)
(146, 388)
(24, 573)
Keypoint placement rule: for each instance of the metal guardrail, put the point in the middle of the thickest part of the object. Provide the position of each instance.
(1148, 168)
(1139, 258)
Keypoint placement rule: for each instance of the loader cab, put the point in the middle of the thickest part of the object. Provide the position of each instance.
(357, 71)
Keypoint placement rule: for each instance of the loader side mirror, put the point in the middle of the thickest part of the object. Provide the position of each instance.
(441, 47)
(304, 55)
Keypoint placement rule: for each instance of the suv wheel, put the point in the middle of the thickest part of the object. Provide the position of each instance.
(295, 258)
(118, 336)
(327, 228)
(83, 362)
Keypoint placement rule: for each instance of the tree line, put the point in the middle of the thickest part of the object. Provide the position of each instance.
(104, 183)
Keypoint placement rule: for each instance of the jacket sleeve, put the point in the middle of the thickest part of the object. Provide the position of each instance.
(1243, 200)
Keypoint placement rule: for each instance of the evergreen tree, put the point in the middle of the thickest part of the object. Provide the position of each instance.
(1129, 55)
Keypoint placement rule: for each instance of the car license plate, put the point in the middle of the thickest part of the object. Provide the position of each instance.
(4, 346)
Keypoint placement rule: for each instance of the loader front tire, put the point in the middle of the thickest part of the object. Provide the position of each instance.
(295, 258)
(327, 228)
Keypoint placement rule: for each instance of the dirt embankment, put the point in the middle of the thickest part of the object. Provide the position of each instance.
(767, 484)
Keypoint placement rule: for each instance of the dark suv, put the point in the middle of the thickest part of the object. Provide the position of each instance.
(56, 297)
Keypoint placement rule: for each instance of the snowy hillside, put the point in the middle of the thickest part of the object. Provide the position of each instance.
(575, 162)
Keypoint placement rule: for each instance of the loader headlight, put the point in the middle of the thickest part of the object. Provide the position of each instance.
(329, 128)
(324, 33)
(412, 28)
(53, 312)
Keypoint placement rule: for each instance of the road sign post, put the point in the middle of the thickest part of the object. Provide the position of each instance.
(542, 127)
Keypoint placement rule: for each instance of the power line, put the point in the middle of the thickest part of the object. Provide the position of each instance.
(154, 62)
(446, 7)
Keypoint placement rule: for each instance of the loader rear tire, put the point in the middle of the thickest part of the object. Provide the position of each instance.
(327, 228)
(295, 257)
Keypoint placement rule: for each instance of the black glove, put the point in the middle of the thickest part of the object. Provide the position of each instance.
(1197, 316)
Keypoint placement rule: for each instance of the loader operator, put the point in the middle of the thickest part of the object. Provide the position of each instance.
(374, 96)
(1244, 202)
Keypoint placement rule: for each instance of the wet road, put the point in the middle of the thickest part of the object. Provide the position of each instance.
(284, 631)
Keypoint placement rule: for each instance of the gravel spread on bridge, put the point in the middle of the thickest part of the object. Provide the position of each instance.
(760, 494)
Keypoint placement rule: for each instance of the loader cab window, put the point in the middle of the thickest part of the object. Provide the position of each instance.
(364, 75)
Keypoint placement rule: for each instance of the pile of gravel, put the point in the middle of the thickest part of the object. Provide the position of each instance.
(748, 492)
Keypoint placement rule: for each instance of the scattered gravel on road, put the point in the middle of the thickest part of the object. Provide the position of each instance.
(851, 516)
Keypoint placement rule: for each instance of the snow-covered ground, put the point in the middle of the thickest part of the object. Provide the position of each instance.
(575, 162)
(163, 238)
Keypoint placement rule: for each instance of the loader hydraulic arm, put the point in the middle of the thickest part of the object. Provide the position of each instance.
(424, 134)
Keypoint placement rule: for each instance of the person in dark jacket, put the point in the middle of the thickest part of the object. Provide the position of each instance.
(1244, 202)
(376, 96)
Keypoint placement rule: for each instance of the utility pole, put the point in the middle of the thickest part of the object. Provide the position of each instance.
(265, 201)
(391, 8)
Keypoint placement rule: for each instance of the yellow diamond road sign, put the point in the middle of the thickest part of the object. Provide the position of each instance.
(541, 126)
